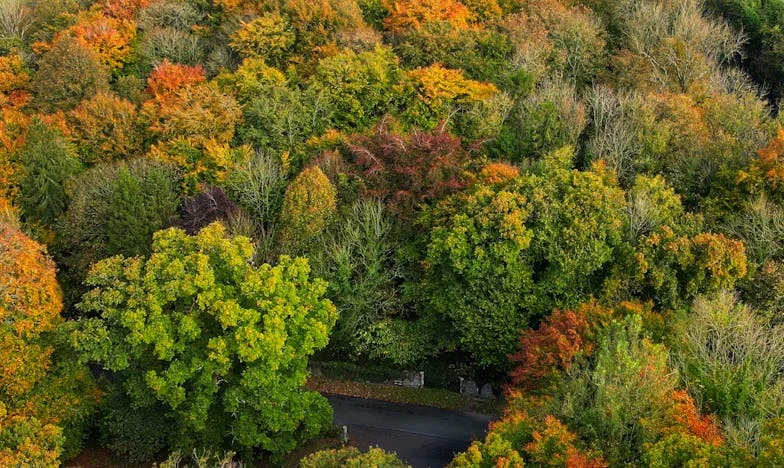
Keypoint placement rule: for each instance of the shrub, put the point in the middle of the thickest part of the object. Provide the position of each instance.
(352, 458)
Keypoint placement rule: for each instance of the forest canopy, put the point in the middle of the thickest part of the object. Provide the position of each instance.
(579, 202)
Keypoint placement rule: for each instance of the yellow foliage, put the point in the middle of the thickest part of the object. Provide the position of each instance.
(436, 83)
(308, 204)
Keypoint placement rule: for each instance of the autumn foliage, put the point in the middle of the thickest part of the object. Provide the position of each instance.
(414, 14)
(409, 169)
(36, 397)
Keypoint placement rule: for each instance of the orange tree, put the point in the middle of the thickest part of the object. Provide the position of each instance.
(44, 399)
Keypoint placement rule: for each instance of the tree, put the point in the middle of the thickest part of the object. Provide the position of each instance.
(45, 400)
(357, 88)
(729, 358)
(438, 92)
(114, 209)
(499, 257)
(549, 118)
(196, 334)
(267, 37)
(308, 205)
(407, 171)
(109, 37)
(68, 73)
(409, 14)
(357, 254)
(193, 123)
(106, 128)
(48, 161)
(276, 116)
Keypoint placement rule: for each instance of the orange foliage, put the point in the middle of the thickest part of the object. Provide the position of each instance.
(405, 15)
(13, 127)
(105, 128)
(30, 304)
(437, 83)
(688, 419)
(722, 257)
(553, 445)
(550, 348)
(110, 38)
(124, 9)
(498, 173)
(168, 77)
(34, 398)
(771, 161)
(14, 81)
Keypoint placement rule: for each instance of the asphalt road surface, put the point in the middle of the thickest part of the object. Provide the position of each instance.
(423, 437)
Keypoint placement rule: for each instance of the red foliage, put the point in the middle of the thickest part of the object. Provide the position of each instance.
(168, 77)
(552, 347)
(409, 170)
(549, 348)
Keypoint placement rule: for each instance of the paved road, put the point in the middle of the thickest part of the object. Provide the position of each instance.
(421, 436)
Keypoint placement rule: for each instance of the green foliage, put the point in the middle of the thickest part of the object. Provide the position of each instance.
(763, 24)
(498, 257)
(49, 161)
(680, 449)
(258, 186)
(356, 89)
(672, 269)
(69, 73)
(195, 333)
(622, 401)
(357, 256)
(548, 118)
(276, 116)
(483, 54)
(114, 209)
(351, 457)
(199, 459)
(730, 359)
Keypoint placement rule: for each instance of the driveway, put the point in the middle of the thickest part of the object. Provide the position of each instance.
(421, 436)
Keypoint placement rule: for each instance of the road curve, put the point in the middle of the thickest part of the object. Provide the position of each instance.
(422, 436)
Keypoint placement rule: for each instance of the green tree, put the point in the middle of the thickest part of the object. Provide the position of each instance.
(114, 209)
(212, 348)
(499, 257)
(127, 227)
(356, 88)
(49, 161)
(358, 257)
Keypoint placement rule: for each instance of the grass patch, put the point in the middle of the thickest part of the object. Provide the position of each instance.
(433, 397)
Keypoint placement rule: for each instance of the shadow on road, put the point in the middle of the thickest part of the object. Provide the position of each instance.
(421, 436)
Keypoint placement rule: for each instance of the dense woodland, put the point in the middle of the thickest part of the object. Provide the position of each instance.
(580, 200)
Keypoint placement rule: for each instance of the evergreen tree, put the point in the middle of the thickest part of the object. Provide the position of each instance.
(49, 161)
